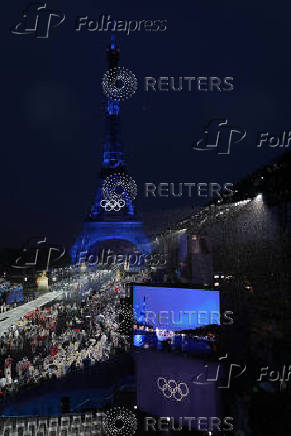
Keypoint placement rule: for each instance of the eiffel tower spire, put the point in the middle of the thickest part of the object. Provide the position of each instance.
(113, 161)
(113, 155)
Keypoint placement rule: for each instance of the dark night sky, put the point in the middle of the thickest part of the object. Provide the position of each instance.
(52, 113)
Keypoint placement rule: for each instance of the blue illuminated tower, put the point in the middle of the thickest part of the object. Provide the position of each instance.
(108, 218)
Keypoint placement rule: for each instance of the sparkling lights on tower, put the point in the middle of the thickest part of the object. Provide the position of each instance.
(112, 214)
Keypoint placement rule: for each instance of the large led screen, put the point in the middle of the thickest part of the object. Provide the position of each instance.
(175, 309)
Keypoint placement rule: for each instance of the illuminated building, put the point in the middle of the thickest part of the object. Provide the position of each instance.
(112, 217)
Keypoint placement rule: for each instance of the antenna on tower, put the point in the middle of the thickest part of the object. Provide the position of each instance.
(112, 43)
(113, 53)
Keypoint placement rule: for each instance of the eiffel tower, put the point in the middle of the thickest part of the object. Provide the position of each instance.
(112, 221)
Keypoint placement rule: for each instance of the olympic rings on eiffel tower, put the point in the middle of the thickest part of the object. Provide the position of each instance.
(113, 204)
(118, 190)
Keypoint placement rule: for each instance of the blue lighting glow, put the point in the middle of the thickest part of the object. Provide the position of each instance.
(97, 231)
(112, 106)
(170, 307)
(112, 43)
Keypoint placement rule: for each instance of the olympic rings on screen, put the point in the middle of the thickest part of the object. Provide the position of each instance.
(172, 389)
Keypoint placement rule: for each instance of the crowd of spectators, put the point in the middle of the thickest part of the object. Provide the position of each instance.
(59, 338)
